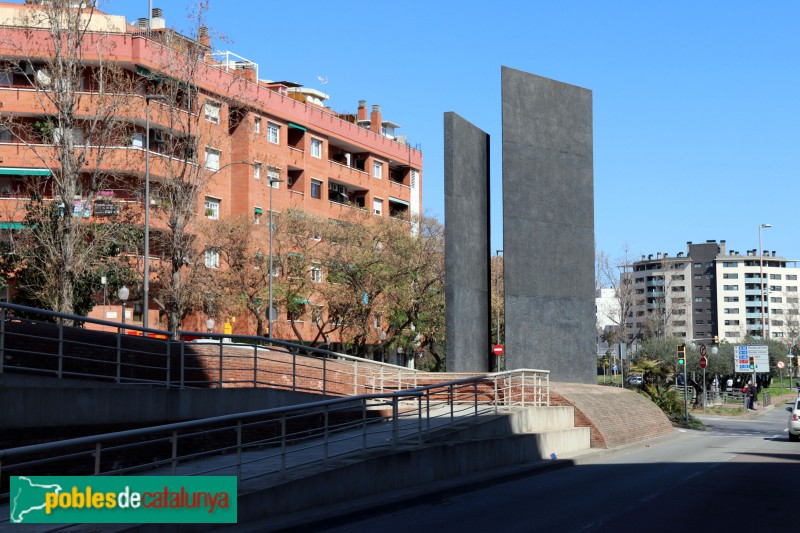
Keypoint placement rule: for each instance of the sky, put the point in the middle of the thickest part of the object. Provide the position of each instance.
(696, 115)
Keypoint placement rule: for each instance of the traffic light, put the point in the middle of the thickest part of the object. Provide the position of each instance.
(752, 363)
(681, 354)
(716, 339)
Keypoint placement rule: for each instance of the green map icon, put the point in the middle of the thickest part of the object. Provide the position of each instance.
(28, 497)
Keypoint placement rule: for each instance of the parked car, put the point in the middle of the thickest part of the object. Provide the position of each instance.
(635, 380)
(794, 420)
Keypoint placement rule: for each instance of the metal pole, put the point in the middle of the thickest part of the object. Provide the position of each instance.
(761, 279)
(269, 307)
(704, 389)
(146, 284)
(685, 393)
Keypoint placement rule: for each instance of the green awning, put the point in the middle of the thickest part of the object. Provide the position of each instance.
(303, 301)
(12, 171)
(12, 225)
(258, 211)
(297, 126)
(398, 201)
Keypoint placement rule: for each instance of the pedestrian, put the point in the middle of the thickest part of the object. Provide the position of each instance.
(751, 397)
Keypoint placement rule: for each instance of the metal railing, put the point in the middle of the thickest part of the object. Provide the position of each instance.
(35, 341)
(270, 442)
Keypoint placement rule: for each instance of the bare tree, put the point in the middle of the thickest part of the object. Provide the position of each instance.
(79, 97)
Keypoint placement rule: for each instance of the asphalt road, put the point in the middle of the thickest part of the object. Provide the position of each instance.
(739, 474)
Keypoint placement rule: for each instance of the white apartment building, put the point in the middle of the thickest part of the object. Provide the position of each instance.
(708, 294)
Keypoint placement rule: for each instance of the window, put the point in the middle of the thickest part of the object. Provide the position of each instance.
(257, 170)
(698, 299)
(257, 125)
(212, 208)
(316, 272)
(791, 289)
(316, 314)
(274, 177)
(730, 276)
(316, 148)
(776, 299)
(377, 320)
(731, 322)
(212, 110)
(776, 311)
(731, 264)
(212, 158)
(698, 265)
(679, 289)
(273, 133)
(777, 334)
(710, 264)
(698, 276)
(679, 323)
(698, 287)
(774, 276)
(257, 214)
(731, 298)
(377, 169)
(731, 311)
(775, 288)
(212, 258)
(377, 206)
(731, 334)
(698, 322)
(730, 287)
(316, 189)
(414, 174)
(6, 78)
(678, 277)
(6, 135)
(791, 277)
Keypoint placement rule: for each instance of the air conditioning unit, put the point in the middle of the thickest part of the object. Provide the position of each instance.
(342, 190)
(333, 187)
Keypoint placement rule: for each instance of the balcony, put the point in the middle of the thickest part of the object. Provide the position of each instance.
(655, 283)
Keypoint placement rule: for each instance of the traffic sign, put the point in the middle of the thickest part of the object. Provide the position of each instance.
(703, 362)
(743, 353)
(614, 368)
(780, 364)
(498, 349)
(703, 350)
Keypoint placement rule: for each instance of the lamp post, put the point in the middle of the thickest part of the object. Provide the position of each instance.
(146, 284)
(761, 279)
(272, 180)
(210, 325)
(123, 294)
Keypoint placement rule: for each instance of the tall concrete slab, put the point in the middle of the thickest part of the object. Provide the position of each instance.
(548, 226)
(466, 208)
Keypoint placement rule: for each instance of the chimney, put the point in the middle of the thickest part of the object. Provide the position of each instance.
(142, 23)
(375, 121)
(722, 247)
(157, 21)
(362, 110)
(202, 36)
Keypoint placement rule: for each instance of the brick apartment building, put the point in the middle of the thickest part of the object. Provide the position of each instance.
(264, 142)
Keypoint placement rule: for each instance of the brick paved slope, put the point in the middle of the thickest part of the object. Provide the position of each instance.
(615, 416)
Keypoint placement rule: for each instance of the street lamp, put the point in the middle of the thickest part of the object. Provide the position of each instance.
(272, 180)
(761, 279)
(146, 284)
(123, 294)
(210, 325)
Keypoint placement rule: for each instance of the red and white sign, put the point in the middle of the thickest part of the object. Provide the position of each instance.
(703, 362)
(780, 364)
(498, 349)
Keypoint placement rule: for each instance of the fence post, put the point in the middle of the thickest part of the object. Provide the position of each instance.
(174, 460)
(61, 350)
(2, 337)
(97, 459)
(119, 355)
(475, 392)
(355, 378)
(452, 401)
(381, 367)
(419, 419)
(283, 445)
(219, 384)
(326, 427)
(428, 408)
(183, 361)
(496, 398)
(294, 369)
(395, 422)
(239, 451)
(325, 375)
(169, 363)
(255, 365)
(364, 426)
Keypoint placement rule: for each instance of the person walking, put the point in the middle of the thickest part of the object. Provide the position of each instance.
(751, 397)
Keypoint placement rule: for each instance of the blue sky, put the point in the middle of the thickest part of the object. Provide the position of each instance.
(696, 116)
